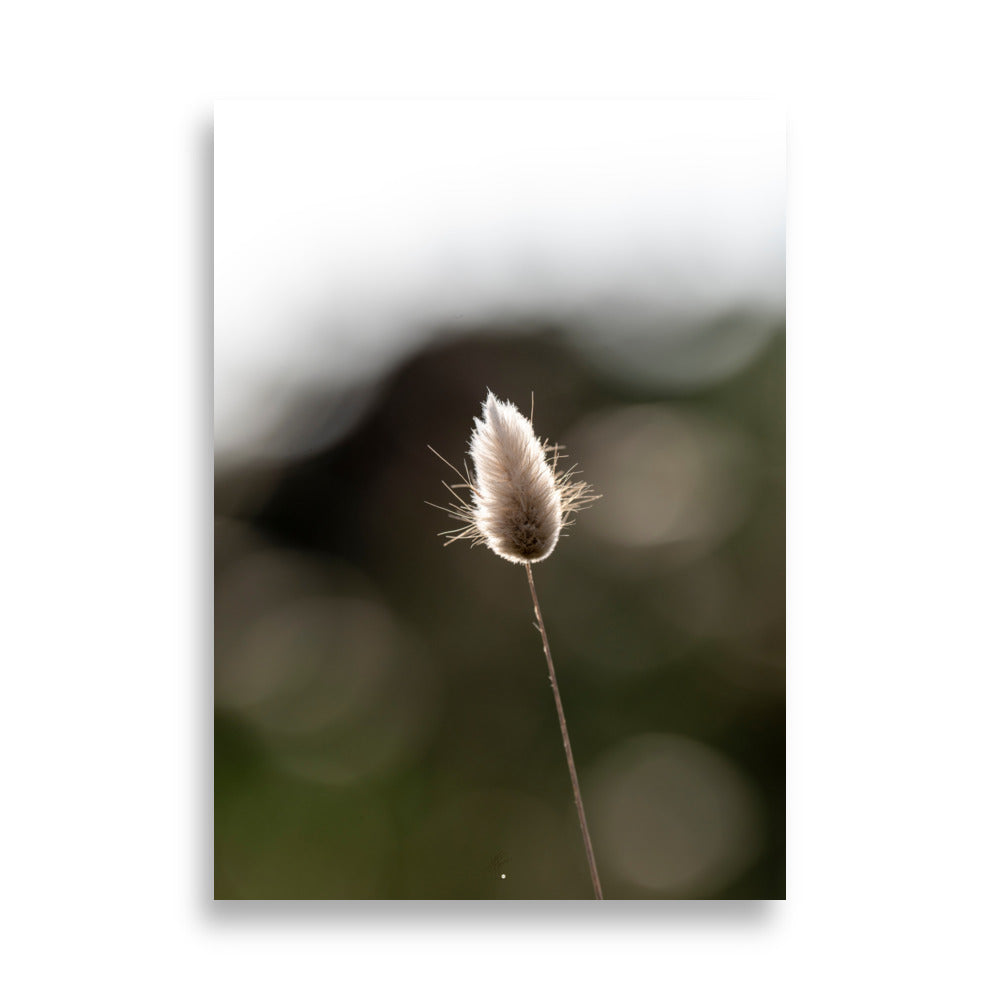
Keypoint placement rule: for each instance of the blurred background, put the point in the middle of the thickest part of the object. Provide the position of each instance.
(384, 725)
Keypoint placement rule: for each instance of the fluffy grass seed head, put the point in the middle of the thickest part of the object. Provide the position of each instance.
(519, 502)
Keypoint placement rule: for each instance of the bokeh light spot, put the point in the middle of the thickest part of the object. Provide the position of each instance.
(672, 816)
(665, 475)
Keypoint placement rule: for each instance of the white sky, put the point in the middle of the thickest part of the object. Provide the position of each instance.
(344, 231)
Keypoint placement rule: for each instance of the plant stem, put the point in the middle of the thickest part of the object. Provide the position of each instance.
(565, 736)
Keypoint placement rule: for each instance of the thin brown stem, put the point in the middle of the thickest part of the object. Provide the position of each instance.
(565, 737)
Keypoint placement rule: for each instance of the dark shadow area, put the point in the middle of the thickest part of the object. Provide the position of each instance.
(202, 595)
(612, 916)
